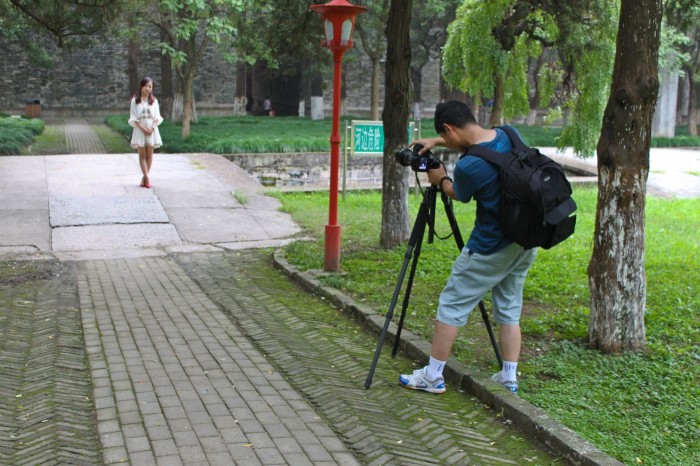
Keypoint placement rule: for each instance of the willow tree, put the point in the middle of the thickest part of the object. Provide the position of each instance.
(489, 45)
(428, 36)
(474, 61)
(617, 279)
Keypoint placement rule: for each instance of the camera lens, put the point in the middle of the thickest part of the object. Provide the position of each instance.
(404, 157)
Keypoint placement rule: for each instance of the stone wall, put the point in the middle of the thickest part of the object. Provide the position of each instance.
(95, 81)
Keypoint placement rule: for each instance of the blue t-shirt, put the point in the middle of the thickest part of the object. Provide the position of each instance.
(474, 178)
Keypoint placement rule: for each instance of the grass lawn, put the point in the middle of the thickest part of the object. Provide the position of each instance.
(51, 141)
(636, 407)
(243, 134)
(113, 142)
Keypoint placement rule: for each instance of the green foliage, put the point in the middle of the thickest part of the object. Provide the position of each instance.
(16, 133)
(678, 141)
(594, 75)
(236, 135)
(250, 134)
(472, 57)
(630, 405)
(69, 23)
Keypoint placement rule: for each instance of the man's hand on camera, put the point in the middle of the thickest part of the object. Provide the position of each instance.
(436, 174)
(428, 144)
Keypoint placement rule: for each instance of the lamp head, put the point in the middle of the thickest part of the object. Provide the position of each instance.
(338, 18)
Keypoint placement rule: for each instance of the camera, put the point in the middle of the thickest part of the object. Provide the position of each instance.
(418, 163)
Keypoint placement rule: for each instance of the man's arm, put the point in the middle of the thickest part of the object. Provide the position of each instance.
(439, 177)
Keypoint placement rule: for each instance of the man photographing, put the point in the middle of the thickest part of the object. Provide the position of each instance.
(488, 262)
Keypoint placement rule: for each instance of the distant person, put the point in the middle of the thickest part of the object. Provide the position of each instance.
(267, 106)
(145, 118)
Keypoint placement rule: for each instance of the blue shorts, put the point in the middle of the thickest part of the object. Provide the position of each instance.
(473, 275)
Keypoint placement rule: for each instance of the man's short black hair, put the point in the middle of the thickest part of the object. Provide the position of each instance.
(453, 113)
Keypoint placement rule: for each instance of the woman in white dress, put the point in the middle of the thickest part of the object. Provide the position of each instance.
(145, 118)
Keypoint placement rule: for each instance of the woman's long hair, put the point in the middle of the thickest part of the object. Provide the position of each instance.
(151, 97)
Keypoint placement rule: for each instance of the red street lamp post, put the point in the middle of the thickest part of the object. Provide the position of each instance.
(338, 23)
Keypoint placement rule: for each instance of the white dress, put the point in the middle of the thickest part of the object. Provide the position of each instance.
(149, 117)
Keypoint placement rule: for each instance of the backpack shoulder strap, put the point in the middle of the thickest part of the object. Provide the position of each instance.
(496, 158)
(518, 143)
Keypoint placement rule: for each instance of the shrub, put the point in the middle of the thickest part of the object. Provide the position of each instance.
(16, 133)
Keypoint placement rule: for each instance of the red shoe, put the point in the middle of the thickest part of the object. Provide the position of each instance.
(147, 184)
(143, 182)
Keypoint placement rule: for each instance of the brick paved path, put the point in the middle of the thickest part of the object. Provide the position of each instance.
(326, 356)
(213, 359)
(46, 408)
(177, 383)
(81, 138)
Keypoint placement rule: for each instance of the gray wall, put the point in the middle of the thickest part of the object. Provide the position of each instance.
(95, 81)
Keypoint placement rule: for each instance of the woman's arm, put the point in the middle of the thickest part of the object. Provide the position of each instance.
(156, 112)
(133, 115)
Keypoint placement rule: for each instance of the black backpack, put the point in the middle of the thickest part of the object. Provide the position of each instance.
(536, 201)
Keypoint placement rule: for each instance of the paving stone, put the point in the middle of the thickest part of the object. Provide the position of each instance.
(81, 138)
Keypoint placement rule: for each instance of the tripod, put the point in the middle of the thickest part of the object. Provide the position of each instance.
(425, 217)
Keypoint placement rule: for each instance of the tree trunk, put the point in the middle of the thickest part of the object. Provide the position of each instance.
(317, 107)
(343, 95)
(397, 104)
(616, 274)
(240, 100)
(376, 81)
(694, 105)
(474, 104)
(663, 124)
(188, 113)
(165, 87)
(498, 100)
(417, 80)
(178, 101)
(534, 97)
(133, 55)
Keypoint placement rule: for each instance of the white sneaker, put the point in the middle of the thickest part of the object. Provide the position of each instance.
(510, 385)
(419, 381)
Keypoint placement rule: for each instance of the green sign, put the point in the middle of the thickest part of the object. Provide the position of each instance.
(367, 137)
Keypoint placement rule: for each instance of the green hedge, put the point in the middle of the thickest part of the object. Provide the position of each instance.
(16, 133)
(251, 134)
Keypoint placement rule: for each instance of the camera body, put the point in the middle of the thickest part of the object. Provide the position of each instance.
(418, 163)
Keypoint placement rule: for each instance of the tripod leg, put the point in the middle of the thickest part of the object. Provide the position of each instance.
(416, 238)
(389, 316)
(492, 337)
(406, 299)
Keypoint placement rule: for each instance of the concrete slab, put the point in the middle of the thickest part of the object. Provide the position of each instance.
(171, 195)
(258, 202)
(107, 237)
(95, 205)
(23, 200)
(73, 210)
(26, 227)
(216, 225)
(276, 224)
